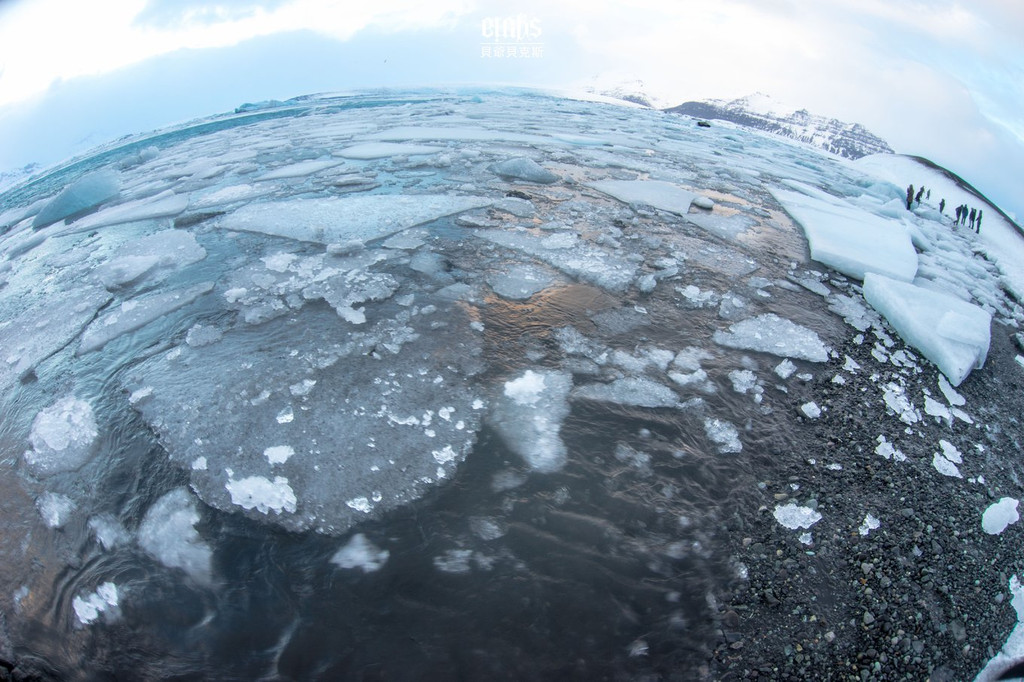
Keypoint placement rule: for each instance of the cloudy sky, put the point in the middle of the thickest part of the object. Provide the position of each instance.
(937, 78)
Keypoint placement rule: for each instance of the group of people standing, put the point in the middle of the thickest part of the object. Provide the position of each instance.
(963, 213)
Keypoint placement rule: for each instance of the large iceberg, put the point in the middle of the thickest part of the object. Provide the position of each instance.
(951, 332)
(850, 239)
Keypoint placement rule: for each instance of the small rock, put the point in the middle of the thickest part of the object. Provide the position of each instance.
(869, 618)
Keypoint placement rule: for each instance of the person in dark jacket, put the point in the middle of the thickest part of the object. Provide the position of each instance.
(974, 215)
(920, 193)
(910, 196)
(977, 223)
(942, 205)
(959, 211)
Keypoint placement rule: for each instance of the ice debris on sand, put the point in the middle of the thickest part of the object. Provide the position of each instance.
(770, 333)
(1000, 515)
(794, 516)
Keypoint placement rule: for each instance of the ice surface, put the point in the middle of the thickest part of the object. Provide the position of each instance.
(335, 220)
(380, 150)
(571, 255)
(633, 391)
(950, 332)
(62, 437)
(999, 515)
(794, 516)
(785, 369)
(108, 531)
(524, 168)
(360, 553)
(85, 193)
(44, 328)
(168, 534)
(90, 606)
(849, 239)
(136, 313)
(810, 410)
(657, 193)
(55, 508)
(946, 461)
(770, 333)
(152, 256)
(528, 416)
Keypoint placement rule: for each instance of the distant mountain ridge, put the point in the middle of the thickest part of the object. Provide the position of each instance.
(850, 140)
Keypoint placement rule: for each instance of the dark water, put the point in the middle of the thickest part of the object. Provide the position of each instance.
(607, 569)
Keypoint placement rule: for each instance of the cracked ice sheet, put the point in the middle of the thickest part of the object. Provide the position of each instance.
(849, 239)
(338, 220)
(366, 435)
(571, 255)
(44, 329)
(776, 335)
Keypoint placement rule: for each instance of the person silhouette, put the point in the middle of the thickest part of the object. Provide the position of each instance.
(942, 205)
(920, 193)
(910, 196)
(959, 212)
(963, 214)
(974, 215)
(977, 223)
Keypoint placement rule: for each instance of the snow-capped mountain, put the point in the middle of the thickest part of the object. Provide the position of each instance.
(760, 111)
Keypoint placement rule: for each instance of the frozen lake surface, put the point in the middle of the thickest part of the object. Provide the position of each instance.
(453, 385)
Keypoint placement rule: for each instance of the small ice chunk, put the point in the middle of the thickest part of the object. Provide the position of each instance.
(62, 437)
(486, 528)
(793, 516)
(278, 454)
(454, 561)
(360, 553)
(934, 408)
(999, 515)
(262, 494)
(889, 451)
(529, 415)
(519, 282)
(950, 393)
(202, 335)
(870, 523)
(785, 369)
(89, 607)
(770, 333)
(108, 531)
(810, 410)
(523, 168)
(743, 380)
(168, 534)
(896, 399)
(724, 435)
(634, 391)
(945, 467)
(55, 508)
(806, 539)
(950, 452)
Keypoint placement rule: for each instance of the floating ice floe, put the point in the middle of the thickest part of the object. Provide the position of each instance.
(793, 516)
(360, 553)
(520, 282)
(299, 170)
(150, 256)
(524, 168)
(164, 205)
(724, 435)
(363, 406)
(168, 534)
(632, 391)
(657, 193)
(950, 332)
(528, 416)
(86, 193)
(136, 313)
(62, 437)
(381, 150)
(55, 508)
(770, 333)
(89, 607)
(850, 239)
(999, 515)
(341, 219)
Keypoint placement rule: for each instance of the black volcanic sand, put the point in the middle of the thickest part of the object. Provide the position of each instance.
(924, 596)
